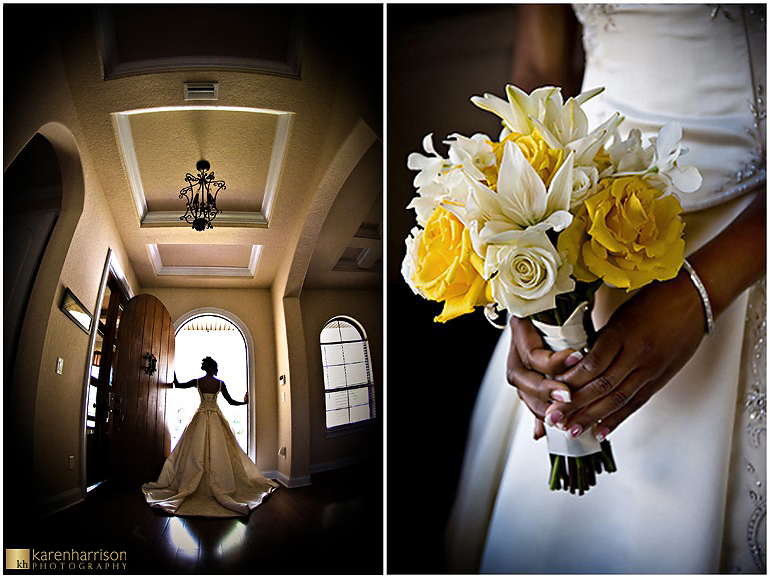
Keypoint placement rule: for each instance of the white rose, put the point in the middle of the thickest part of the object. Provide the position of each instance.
(584, 181)
(526, 275)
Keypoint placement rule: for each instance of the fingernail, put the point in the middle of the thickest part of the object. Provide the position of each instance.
(561, 395)
(574, 431)
(573, 359)
(553, 418)
(601, 433)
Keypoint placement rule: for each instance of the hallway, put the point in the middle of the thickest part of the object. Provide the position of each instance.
(332, 526)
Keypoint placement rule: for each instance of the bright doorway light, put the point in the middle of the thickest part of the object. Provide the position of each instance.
(216, 337)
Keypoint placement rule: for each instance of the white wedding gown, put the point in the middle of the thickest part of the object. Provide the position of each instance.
(208, 474)
(689, 494)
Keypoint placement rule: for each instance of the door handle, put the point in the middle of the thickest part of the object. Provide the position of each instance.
(120, 417)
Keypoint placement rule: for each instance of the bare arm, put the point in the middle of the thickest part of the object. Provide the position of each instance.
(544, 46)
(186, 384)
(229, 399)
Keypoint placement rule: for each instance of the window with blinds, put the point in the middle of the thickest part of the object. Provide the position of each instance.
(349, 389)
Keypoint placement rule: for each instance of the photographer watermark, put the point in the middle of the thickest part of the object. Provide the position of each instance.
(73, 559)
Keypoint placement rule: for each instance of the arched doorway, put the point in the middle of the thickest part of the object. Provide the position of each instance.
(32, 203)
(216, 334)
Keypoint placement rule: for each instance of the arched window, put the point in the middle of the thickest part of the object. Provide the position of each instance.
(348, 384)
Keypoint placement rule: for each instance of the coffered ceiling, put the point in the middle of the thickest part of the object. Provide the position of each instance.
(290, 118)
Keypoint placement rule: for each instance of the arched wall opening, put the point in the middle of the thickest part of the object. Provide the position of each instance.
(28, 392)
(32, 202)
(217, 333)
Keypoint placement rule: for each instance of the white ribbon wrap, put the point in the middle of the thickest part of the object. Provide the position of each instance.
(561, 445)
(570, 335)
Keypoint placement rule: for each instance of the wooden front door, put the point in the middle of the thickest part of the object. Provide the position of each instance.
(139, 439)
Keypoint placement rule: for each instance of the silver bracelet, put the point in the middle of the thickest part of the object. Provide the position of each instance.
(704, 296)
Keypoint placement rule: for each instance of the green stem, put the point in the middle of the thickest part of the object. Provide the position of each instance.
(607, 451)
(572, 475)
(554, 482)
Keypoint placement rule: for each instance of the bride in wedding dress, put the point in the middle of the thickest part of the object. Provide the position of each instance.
(208, 474)
(685, 410)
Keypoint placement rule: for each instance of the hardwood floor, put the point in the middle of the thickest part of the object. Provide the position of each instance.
(332, 526)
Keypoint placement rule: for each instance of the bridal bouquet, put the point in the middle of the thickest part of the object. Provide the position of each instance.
(535, 222)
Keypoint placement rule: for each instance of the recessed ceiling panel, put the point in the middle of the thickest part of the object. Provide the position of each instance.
(237, 144)
(245, 147)
(205, 255)
(211, 260)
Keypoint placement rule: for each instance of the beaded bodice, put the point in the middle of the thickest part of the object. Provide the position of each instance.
(208, 400)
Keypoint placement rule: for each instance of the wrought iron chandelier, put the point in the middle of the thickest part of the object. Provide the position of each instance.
(201, 203)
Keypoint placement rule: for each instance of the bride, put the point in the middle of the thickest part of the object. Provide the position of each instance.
(666, 387)
(208, 474)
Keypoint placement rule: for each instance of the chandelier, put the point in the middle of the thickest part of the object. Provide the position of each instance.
(201, 202)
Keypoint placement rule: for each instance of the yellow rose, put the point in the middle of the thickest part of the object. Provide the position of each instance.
(545, 160)
(447, 268)
(570, 243)
(628, 233)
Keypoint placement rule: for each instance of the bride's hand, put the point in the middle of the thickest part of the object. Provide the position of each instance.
(644, 344)
(649, 338)
(529, 362)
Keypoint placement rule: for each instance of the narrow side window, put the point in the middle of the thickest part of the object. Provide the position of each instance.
(348, 384)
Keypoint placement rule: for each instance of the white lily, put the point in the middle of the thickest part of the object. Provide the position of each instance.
(558, 122)
(630, 155)
(438, 181)
(474, 154)
(451, 190)
(431, 168)
(658, 162)
(520, 202)
(587, 147)
(409, 264)
(668, 149)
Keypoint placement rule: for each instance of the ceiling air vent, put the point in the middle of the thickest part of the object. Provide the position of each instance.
(201, 90)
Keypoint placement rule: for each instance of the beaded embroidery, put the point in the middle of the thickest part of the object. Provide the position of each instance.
(591, 17)
(755, 409)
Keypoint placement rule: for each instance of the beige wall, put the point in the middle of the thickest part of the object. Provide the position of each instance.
(318, 307)
(48, 407)
(254, 308)
(293, 412)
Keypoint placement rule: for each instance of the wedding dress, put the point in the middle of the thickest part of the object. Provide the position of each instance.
(689, 494)
(208, 474)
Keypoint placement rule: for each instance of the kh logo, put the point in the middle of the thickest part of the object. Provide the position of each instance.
(17, 559)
